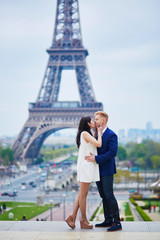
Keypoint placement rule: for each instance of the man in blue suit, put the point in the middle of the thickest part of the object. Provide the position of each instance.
(106, 160)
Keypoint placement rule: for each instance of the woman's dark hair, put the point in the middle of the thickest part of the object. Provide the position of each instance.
(83, 126)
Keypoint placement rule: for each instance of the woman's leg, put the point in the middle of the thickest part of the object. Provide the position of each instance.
(72, 217)
(84, 187)
(76, 207)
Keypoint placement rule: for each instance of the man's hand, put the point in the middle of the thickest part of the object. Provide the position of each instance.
(90, 158)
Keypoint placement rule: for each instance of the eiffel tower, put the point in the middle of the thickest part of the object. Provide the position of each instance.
(48, 115)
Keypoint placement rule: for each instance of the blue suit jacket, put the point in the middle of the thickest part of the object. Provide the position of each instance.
(107, 153)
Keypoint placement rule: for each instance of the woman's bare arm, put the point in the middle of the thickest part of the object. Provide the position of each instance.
(89, 138)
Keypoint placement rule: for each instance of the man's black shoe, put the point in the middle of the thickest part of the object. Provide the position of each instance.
(115, 227)
(103, 224)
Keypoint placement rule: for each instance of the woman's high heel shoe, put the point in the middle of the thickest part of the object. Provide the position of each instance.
(85, 225)
(70, 222)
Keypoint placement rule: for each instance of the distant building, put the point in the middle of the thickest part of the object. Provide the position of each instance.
(6, 141)
(149, 125)
(138, 135)
(122, 136)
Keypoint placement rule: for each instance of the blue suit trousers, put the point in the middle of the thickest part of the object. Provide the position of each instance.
(110, 206)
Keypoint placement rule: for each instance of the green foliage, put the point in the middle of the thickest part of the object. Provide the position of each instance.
(140, 161)
(153, 147)
(154, 202)
(122, 175)
(145, 154)
(14, 204)
(138, 151)
(129, 146)
(145, 206)
(130, 219)
(39, 160)
(127, 209)
(19, 209)
(94, 214)
(143, 214)
(133, 202)
(101, 212)
(72, 158)
(155, 161)
(49, 154)
(122, 153)
(7, 156)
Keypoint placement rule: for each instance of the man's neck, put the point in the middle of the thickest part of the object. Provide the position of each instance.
(104, 127)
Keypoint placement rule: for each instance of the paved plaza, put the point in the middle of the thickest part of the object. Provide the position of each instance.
(33, 230)
(155, 216)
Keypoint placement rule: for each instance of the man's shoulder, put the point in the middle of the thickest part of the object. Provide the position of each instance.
(110, 132)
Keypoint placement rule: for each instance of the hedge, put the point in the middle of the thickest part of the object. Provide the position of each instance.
(127, 209)
(94, 214)
(131, 219)
(133, 202)
(143, 214)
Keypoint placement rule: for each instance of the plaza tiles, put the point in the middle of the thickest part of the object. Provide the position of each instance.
(41, 230)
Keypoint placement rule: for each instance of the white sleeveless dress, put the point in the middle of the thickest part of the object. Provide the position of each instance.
(86, 171)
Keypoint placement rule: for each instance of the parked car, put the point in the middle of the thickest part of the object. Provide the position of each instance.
(23, 186)
(8, 183)
(31, 182)
(4, 194)
(12, 194)
(23, 183)
(34, 184)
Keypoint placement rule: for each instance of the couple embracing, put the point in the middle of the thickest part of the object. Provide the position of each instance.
(96, 163)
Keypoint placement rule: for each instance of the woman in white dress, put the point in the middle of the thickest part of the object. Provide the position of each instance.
(87, 172)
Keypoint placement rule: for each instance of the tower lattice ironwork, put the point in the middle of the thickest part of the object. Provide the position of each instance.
(48, 115)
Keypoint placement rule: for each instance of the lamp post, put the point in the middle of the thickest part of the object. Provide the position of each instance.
(145, 176)
(64, 206)
(51, 202)
(73, 191)
(138, 181)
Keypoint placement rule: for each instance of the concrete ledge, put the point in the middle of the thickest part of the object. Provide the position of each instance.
(33, 230)
(58, 226)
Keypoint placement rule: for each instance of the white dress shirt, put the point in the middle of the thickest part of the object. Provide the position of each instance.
(104, 130)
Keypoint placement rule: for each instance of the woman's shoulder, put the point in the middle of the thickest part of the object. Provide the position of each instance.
(85, 134)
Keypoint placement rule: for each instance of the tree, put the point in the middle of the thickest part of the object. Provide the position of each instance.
(139, 151)
(122, 153)
(129, 146)
(39, 160)
(140, 161)
(153, 148)
(1, 160)
(7, 156)
(155, 161)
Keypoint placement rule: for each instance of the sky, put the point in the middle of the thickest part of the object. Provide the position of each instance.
(123, 41)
